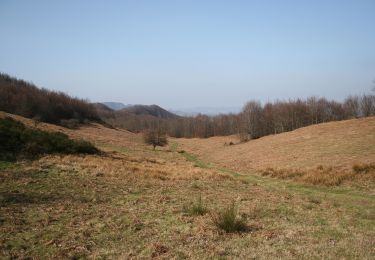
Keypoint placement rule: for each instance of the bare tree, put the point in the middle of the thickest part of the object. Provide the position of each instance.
(368, 105)
(352, 106)
(155, 137)
(252, 118)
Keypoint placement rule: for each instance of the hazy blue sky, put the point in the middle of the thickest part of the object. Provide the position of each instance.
(191, 53)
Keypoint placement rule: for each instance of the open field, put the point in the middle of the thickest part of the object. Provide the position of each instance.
(307, 154)
(131, 202)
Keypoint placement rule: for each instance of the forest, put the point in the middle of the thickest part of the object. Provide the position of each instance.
(25, 99)
(254, 121)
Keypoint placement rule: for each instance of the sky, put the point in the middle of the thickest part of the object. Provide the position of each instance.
(183, 54)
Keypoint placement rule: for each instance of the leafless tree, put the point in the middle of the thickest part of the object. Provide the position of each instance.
(155, 137)
(368, 105)
(352, 106)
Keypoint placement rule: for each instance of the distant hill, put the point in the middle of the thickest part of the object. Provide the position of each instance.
(152, 110)
(102, 107)
(210, 111)
(135, 118)
(115, 105)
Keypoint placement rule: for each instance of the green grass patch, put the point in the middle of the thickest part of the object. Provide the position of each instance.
(229, 221)
(173, 146)
(198, 163)
(4, 165)
(196, 208)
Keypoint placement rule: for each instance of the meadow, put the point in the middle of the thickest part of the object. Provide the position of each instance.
(131, 202)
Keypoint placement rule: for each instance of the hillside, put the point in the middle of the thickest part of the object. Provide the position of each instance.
(132, 202)
(102, 107)
(25, 99)
(136, 118)
(152, 110)
(18, 141)
(93, 132)
(337, 145)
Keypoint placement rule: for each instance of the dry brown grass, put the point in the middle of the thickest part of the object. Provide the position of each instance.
(364, 168)
(96, 133)
(128, 204)
(328, 176)
(119, 207)
(335, 145)
(115, 165)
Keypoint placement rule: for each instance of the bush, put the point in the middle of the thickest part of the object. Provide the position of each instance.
(155, 137)
(228, 220)
(196, 208)
(19, 141)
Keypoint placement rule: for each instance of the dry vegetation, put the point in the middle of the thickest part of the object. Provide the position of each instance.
(254, 121)
(329, 153)
(132, 203)
(25, 99)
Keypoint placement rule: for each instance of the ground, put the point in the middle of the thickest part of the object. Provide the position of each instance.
(129, 203)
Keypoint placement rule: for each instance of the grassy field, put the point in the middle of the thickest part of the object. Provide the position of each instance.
(324, 154)
(133, 202)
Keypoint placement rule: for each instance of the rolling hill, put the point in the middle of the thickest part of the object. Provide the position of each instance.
(152, 110)
(114, 105)
(335, 145)
(133, 202)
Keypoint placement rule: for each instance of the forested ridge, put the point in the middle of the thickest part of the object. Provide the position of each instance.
(25, 99)
(254, 121)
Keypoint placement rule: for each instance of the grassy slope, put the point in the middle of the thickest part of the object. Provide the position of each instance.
(339, 145)
(130, 203)
(334, 143)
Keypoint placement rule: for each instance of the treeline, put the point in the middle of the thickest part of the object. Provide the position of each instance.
(258, 120)
(25, 99)
(254, 121)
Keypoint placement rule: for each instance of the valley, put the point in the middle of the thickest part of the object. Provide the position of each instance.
(131, 202)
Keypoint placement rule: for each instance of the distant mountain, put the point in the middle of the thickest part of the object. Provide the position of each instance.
(115, 105)
(152, 110)
(210, 111)
(102, 107)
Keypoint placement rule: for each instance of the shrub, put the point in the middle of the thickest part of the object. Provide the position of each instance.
(196, 208)
(155, 137)
(17, 140)
(228, 220)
